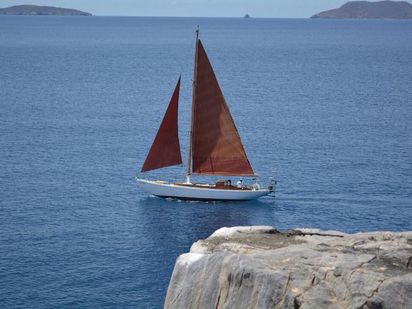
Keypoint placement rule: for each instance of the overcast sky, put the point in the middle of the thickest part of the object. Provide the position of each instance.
(212, 8)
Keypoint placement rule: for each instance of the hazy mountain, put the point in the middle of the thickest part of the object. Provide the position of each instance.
(365, 9)
(40, 10)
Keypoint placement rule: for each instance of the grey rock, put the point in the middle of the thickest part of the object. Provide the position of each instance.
(260, 267)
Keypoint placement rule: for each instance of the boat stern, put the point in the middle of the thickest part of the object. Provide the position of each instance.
(272, 184)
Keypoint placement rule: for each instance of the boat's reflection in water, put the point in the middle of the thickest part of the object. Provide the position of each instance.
(183, 222)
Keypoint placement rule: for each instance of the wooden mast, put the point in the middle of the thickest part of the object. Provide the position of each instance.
(189, 157)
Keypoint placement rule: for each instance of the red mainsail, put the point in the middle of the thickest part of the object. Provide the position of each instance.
(165, 150)
(216, 145)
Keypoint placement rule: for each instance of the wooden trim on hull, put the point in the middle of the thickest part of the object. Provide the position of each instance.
(210, 186)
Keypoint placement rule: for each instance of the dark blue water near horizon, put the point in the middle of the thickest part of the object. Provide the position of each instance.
(324, 105)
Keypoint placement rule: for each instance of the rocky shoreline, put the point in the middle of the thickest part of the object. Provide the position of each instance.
(260, 267)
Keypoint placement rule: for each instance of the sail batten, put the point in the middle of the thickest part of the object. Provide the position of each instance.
(165, 150)
(216, 145)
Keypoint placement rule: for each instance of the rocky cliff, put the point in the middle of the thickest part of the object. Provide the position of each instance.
(372, 10)
(260, 267)
(40, 10)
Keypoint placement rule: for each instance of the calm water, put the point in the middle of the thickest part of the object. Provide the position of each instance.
(325, 106)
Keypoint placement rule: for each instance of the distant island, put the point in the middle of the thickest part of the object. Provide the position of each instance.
(246, 16)
(41, 10)
(370, 10)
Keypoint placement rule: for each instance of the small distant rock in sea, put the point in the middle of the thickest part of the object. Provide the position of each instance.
(246, 16)
(370, 10)
(41, 10)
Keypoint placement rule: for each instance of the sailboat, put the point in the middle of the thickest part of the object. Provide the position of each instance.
(215, 147)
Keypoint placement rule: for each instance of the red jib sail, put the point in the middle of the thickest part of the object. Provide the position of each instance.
(216, 145)
(165, 150)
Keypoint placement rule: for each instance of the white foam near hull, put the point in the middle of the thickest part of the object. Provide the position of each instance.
(164, 189)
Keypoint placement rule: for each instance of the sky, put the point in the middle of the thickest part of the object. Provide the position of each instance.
(198, 8)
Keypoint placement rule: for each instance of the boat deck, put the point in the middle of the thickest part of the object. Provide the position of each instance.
(212, 186)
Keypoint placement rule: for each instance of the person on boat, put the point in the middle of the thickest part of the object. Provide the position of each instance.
(240, 183)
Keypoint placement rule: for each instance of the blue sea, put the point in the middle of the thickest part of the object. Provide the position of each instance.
(325, 106)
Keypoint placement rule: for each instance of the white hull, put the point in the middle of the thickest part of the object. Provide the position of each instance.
(164, 189)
